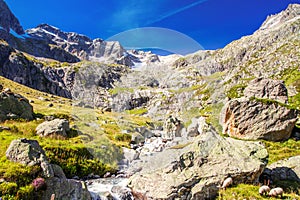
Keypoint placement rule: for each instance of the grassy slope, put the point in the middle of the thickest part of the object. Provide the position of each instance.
(96, 149)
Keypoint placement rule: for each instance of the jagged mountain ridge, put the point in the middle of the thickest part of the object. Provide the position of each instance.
(50, 42)
(81, 46)
(241, 51)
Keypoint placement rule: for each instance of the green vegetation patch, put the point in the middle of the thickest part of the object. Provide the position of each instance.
(236, 91)
(118, 90)
(282, 150)
(250, 192)
(76, 161)
(139, 111)
(212, 114)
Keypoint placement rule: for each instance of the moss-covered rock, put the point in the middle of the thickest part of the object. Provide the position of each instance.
(14, 106)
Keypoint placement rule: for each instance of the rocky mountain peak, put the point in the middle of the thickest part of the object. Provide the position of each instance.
(8, 20)
(51, 33)
(292, 12)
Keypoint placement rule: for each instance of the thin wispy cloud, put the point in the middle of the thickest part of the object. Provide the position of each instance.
(174, 12)
(135, 14)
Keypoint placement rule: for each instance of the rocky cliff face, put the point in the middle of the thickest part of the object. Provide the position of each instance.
(8, 21)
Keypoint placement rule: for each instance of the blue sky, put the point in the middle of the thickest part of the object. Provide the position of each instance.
(212, 23)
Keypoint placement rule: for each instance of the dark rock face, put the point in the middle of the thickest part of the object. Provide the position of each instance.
(83, 79)
(8, 20)
(14, 106)
(283, 170)
(16, 67)
(172, 128)
(198, 170)
(267, 89)
(250, 119)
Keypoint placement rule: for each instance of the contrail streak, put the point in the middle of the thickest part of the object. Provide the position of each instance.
(174, 12)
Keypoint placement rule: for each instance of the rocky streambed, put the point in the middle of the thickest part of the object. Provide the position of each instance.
(182, 168)
(144, 156)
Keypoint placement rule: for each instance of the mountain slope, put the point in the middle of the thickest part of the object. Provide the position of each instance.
(8, 21)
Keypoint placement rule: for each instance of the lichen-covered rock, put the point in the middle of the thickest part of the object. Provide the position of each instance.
(27, 152)
(58, 127)
(251, 119)
(14, 106)
(267, 89)
(197, 170)
(282, 170)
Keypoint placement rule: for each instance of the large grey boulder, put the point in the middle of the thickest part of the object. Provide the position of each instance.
(251, 119)
(282, 170)
(66, 189)
(13, 106)
(29, 152)
(197, 170)
(58, 127)
(267, 89)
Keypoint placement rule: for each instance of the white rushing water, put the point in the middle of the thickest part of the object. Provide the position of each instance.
(115, 187)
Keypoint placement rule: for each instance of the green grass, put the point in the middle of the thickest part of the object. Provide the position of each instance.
(138, 111)
(281, 150)
(96, 149)
(118, 90)
(212, 114)
(236, 91)
(250, 192)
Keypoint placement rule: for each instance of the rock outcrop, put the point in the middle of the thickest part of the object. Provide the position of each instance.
(56, 127)
(172, 128)
(267, 89)
(261, 114)
(14, 106)
(29, 152)
(252, 119)
(198, 170)
(197, 127)
(17, 67)
(66, 81)
(292, 11)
